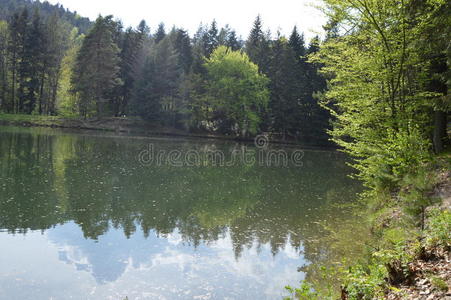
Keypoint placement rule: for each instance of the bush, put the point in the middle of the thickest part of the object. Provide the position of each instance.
(304, 292)
(438, 231)
(415, 193)
(398, 154)
(366, 282)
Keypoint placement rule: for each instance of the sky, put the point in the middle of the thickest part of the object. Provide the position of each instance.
(239, 14)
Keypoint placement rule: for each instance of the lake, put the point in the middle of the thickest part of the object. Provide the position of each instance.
(92, 215)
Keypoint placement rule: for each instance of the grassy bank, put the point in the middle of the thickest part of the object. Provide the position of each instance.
(18, 119)
(106, 124)
(403, 238)
(121, 125)
(134, 125)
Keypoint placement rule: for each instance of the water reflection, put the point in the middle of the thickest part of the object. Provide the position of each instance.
(162, 231)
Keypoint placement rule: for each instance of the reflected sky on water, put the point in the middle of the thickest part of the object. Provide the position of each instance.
(82, 218)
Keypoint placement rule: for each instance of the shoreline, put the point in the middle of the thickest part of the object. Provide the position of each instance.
(135, 127)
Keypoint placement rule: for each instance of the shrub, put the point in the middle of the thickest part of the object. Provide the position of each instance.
(438, 231)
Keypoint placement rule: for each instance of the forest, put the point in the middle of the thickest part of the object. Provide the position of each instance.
(53, 62)
(376, 85)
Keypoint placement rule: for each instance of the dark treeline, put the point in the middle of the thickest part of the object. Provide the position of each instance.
(214, 81)
(9, 7)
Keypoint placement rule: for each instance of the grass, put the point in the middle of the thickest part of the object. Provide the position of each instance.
(35, 119)
(439, 283)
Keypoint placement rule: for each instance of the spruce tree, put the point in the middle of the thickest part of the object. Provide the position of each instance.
(227, 37)
(97, 69)
(14, 46)
(160, 34)
(182, 44)
(23, 57)
(35, 45)
(156, 94)
(143, 29)
(257, 46)
(199, 50)
(4, 103)
(284, 108)
(131, 47)
(297, 43)
(233, 42)
(303, 123)
(316, 84)
(211, 39)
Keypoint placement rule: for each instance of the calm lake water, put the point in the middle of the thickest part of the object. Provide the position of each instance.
(91, 216)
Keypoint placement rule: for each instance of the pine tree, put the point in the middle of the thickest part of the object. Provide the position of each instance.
(182, 44)
(284, 102)
(31, 59)
(143, 29)
(227, 37)
(257, 46)
(297, 43)
(303, 123)
(97, 68)
(160, 34)
(14, 46)
(131, 48)
(35, 52)
(316, 84)
(211, 39)
(233, 42)
(199, 50)
(23, 66)
(4, 103)
(156, 95)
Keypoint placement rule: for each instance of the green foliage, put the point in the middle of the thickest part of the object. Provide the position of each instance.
(157, 95)
(385, 62)
(398, 248)
(416, 193)
(366, 283)
(48, 68)
(384, 162)
(293, 111)
(378, 88)
(4, 86)
(227, 37)
(9, 7)
(304, 292)
(370, 279)
(160, 34)
(35, 48)
(257, 45)
(438, 231)
(439, 283)
(36, 119)
(66, 104)
(131, 46)
(96, 70)
(236, 91)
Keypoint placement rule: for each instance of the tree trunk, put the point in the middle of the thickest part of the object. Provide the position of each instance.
(41, 92)
(439, 130)
(13, 88)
